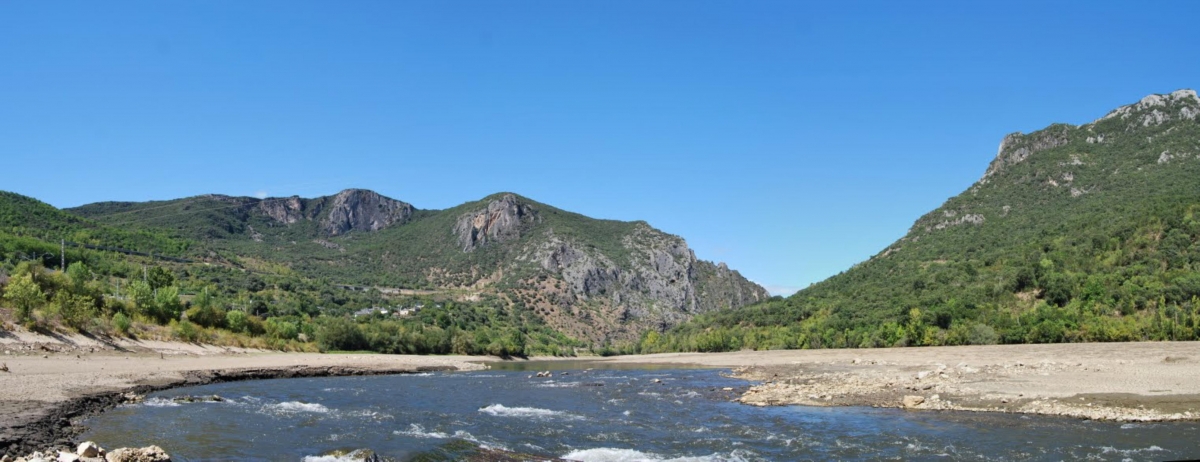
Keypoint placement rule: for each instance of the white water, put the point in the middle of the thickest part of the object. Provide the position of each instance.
(295, 407)
(631, 455)
(501, 410)
(418, 431)
(159, 402)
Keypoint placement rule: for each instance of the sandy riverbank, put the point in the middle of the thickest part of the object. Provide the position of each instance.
(52, 381)
(1148, 381)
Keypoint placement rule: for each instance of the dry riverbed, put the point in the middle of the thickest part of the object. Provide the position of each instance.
(1148, 381)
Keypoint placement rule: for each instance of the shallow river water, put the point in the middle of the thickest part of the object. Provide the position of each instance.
(623, 414)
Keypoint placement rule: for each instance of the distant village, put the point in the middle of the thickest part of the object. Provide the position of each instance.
(394, 311)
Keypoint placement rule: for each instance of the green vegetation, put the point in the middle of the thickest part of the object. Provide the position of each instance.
(244, 293)
(110, 293)
(24, 294)
(233, 231)
(34, 228)
(269, 318)
(1081, 241)
(271, 259)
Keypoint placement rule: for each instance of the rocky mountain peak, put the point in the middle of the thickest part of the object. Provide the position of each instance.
(1157, 109)
(1016, 147)
(363, 210)
(1150, 111)
(501, 220)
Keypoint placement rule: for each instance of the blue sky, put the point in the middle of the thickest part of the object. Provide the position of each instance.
(789, 139)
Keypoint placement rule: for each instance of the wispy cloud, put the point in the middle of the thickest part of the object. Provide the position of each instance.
(260, 194)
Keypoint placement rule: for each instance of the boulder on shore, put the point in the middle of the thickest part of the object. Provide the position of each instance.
(912, 401)
(146, 454)
(89, 449)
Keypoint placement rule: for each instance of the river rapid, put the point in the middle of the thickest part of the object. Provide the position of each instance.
(593, 412)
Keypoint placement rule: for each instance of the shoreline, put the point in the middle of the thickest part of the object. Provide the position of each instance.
(47, 392)
(59, 423)
(1128, 382)
(50, 386)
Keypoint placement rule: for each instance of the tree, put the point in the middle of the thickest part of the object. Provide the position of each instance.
(237, 321)
(76, 310)
(167, 304)
(205, 312)
(78, 274)
(25, 295)
(159, 278)
(340, 334)
(142, 297)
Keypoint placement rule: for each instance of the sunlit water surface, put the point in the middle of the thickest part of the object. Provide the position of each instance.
(595, 415)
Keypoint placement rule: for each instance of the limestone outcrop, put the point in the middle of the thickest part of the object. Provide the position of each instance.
(500, 221)
(363, 210)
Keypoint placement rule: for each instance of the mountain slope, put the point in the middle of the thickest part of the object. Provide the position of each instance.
(599, 280)
(1074, 233)
(29, 226)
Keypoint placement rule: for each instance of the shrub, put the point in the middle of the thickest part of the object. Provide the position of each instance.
(207, 316)
(76, 310)
(340, 334)
(187, 331)
(25, 295)
(982, 334)
(122, 323)
(167, 305)
(236, 320)
(281, 329)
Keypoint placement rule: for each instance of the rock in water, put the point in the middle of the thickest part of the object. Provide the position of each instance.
(912, 401)
(146, 454)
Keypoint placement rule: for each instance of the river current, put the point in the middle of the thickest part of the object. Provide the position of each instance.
(623, 414)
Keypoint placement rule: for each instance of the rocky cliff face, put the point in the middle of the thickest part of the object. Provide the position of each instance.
(352, 210)
(287, 211)
(500, 221)
(1017, 147)
(660, 285)
(597, 280)
(362, 210)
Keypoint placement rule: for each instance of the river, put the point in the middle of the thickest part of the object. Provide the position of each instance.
(626, 413)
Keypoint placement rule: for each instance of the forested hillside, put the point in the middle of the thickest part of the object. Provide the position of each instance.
(502, 275)
(1074, 233)
(595, 280)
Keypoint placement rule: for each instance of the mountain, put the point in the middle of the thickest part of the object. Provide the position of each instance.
(29, 226)
(216, 216)
(1073, 233)
(595, 280)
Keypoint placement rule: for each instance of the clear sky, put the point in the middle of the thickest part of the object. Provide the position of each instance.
(789, 139)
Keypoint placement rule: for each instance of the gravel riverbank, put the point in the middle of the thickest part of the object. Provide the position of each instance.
(1145, 381)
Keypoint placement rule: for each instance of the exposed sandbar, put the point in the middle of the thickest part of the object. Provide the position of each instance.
(1145, 381)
